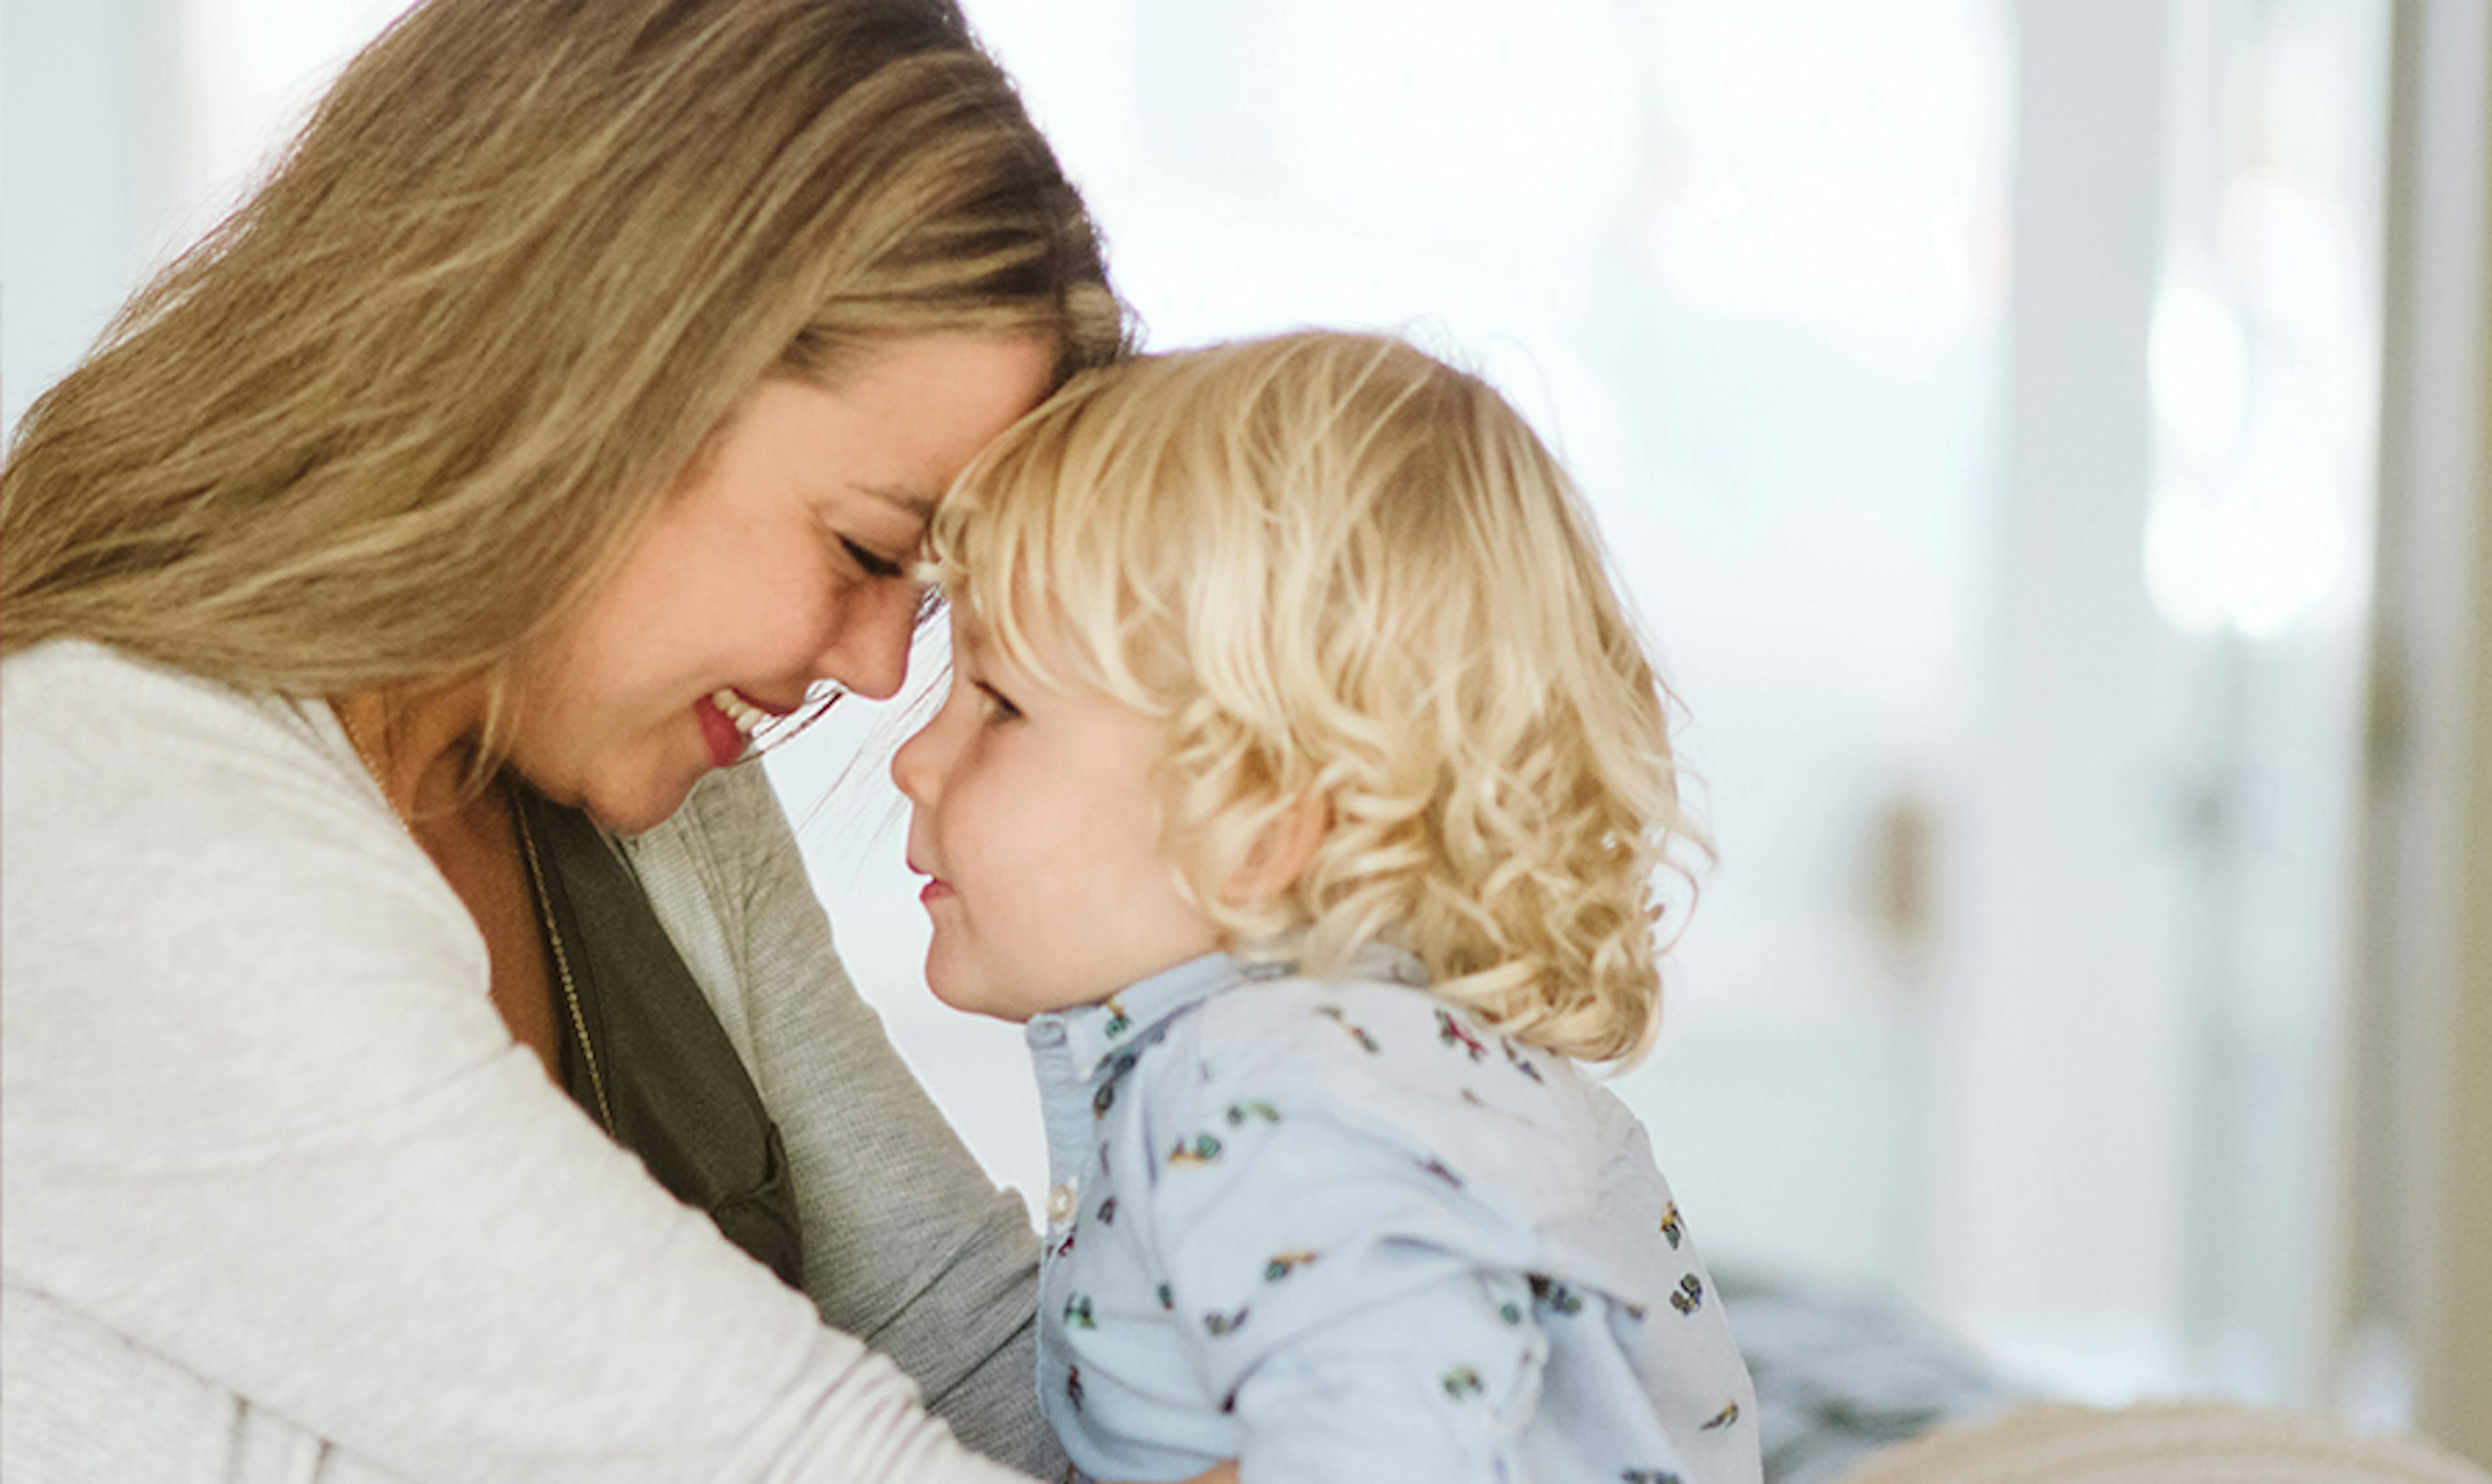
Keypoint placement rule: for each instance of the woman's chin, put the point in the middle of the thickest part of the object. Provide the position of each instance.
(636, 806)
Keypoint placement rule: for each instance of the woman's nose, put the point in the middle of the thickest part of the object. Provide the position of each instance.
(869, 648)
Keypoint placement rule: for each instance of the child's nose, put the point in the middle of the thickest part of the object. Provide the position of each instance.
(912, 767)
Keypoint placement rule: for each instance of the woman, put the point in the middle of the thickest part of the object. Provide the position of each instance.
(402, 999)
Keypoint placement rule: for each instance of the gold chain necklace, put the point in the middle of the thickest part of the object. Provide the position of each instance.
(538, 897)
(561, 961)
(372, 765)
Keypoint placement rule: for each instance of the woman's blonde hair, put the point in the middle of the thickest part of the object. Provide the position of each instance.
(1343, 570)
(407, 403)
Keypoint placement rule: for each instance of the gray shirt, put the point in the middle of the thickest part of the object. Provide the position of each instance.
(280, 1199)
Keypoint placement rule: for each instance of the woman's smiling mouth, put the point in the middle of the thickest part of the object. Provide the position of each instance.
(727, 720)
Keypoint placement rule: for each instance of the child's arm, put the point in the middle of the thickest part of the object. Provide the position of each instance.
(1364, 1317)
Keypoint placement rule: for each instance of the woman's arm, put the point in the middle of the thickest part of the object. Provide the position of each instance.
(908, 1244)
(263, 1124)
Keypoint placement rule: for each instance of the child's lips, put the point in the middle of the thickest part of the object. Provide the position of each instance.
(936, 888)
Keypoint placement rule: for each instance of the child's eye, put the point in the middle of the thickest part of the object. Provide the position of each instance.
(1000, 706)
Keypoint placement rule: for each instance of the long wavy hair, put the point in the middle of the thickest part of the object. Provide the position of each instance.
(1339, 568)
(399, 412)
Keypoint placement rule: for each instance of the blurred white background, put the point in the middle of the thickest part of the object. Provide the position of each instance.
(1982, 401)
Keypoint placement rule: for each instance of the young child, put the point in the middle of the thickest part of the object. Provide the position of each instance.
(1301, 785)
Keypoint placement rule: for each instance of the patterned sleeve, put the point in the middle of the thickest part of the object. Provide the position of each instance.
(1363, 1313)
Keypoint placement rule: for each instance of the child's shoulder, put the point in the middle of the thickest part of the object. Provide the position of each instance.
(1353, 1020)
(1371, 1065)
(1378, 1045)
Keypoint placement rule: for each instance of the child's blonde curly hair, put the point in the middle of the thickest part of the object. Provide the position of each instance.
(1338, 568)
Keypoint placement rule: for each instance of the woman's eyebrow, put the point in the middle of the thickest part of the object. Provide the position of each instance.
(912, 500)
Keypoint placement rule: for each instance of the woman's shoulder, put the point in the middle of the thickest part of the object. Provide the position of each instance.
(200, 877)
(137, 768)
(83, 714)
(115, 765)
(170, 796)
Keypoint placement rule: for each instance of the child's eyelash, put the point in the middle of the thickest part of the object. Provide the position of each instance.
(1004, 709)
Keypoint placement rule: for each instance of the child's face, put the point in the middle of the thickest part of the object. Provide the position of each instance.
(1038, 818)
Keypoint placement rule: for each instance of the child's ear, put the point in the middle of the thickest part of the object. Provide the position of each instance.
(1283, 852)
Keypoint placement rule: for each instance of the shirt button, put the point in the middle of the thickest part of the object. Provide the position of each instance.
(1059, 1202)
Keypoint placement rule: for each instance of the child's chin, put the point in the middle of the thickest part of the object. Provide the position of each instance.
(969, 1001)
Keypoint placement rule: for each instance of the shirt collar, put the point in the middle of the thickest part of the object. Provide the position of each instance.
(1093, 1035)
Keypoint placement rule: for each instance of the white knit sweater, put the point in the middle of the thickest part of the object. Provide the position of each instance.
(282, 1200)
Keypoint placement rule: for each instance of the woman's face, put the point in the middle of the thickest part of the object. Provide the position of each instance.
(781, 560)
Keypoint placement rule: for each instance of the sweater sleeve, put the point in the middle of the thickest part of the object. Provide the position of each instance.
(263, 1122)
(909, 1244)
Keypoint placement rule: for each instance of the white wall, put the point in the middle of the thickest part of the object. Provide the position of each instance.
(87, 175)
(2059, 1223)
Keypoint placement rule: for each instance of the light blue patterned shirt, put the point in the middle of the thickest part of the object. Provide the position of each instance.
(1340, 1231)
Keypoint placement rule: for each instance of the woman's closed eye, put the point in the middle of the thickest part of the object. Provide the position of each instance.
(873, 564)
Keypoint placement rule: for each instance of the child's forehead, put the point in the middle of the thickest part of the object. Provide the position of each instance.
(1041, 653)
(973, 642)
(969, 634)
(976, 644)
